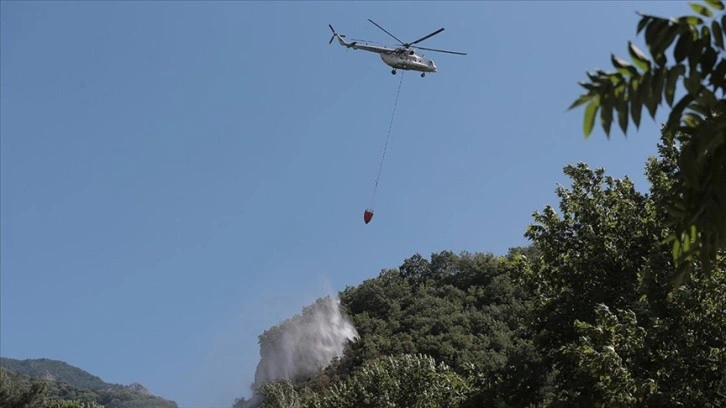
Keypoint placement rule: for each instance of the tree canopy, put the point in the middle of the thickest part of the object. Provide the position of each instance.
(683, 54)
(47, 383)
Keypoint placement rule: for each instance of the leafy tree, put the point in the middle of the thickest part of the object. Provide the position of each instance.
(671, 360)
(20, 389)
(605, 352)
(458, 309)
(697, 120)
(59, 403)
(594, 251)
(241, 402)
(405, 381)
(19, 392)
(279, 394)
(604, 252)
(591, 252)
(58, 371)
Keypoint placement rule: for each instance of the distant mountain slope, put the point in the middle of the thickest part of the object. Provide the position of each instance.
(54, 370)
(72, 383)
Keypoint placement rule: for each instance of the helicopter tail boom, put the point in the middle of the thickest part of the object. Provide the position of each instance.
(358, 44)
(339, 36)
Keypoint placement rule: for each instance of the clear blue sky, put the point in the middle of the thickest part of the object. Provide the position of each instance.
(179, 176)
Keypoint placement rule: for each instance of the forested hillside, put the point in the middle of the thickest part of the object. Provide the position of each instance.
(44, 383)
(54, 370)
(585, 316)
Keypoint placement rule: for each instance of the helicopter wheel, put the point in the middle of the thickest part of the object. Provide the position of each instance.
(393, 71)
(423, 74)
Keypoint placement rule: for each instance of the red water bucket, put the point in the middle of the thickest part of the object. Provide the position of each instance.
(367, 216)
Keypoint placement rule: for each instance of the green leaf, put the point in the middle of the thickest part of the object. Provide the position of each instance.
(644, 21)
(636, 104)
(615, 79)
(621, 106)
(715, 136)
(581, 100)
(590, 86)
(683, 46)
(594, 77)
(660, 44)
(717, 34)
(715, 4)
(606, 114)
(692, 82)
(654, 94)
(676, 249)
(694, 56)
(702, 10)
(623, 66)
(638, 57)
(674, 119)
(706, 35)
(646, 88)
(671, 82)
(655, 30)
(655, 33)
(686, 243)
(708, 60)
(658, 80)
(694, 231)
(698, 107)
(718, 78)
(690, 20)
(680, 69)
(692, 120)
(590, 113)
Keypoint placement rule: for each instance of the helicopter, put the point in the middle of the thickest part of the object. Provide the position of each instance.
(403, 57)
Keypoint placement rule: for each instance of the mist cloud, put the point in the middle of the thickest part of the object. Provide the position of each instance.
(304, 344)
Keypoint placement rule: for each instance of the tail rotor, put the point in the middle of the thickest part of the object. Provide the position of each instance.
(334, 34)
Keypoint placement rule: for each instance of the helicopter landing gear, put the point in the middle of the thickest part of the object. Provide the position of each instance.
(393, 71)
(423, 74)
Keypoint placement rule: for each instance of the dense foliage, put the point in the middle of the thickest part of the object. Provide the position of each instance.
(58, 371)
(585, 316)
(697, 120)
(609, 325)
(47, 383)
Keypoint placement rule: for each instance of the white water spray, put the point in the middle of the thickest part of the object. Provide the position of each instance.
(304, 344)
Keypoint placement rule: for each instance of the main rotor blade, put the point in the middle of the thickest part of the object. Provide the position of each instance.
(331, 28)
(423, 38)
(384, 30)
(434, 49)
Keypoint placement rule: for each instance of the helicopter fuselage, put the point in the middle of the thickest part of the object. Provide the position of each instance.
(408, 60)
(397, 58)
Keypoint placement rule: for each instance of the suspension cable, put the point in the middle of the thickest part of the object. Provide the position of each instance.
(388, 136)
